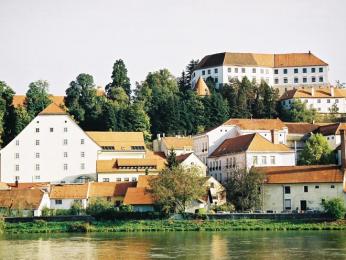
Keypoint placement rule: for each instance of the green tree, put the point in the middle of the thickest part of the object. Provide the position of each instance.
(77, 208)
(6, 114)
(172, 159)
(298, 112)
(316, 151)
(174, 189)
(138, 120)
(119, 80)
(216, 110)
(243, 189)
(335, 208)
(37, 97)
(22, 119)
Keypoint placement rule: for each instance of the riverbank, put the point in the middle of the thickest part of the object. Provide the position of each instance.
(172, 225)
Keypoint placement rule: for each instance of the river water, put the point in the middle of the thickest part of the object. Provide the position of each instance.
(180, 245)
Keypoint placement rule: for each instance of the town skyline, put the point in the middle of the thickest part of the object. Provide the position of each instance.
(56, 41)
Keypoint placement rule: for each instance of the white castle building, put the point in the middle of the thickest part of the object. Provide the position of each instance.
(283, 71)
(52, 148)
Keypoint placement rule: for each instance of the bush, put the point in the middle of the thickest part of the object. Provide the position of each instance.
(126, 208)
(46, 212)
(99, 206)
(201, 211)
(334, 207)
(228, 207)
(77, 208)
(2, 225)
(79, 227)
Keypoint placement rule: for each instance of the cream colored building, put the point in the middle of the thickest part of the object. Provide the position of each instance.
(301, 188)
(179, 144)
(191, 160)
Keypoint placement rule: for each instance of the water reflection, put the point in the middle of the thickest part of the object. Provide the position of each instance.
(185, 245)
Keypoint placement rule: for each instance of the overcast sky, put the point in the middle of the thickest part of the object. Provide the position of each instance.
(56, 40)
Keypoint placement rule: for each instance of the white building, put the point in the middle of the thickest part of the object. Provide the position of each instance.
(301, 188)
(205, 143)
(179, 144)
(324, 100)
(52, 148)
(282, 71)
(191, 160)
(62, 196)
(245, 151)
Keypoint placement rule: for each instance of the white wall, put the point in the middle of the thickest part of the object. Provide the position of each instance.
(51, 150)
(116, 177)
(322, 105)
(66, 203)
(109, 155)
(281, 159)
(194, 161)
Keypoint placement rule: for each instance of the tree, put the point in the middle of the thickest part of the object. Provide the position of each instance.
(172, 159)
(243, 189)
(6, 113)
(316, 151)
(216, 110)
(335, 208)
(298, 112)
(174, 189)
(37, 97)
(138, 120)
(119, 80)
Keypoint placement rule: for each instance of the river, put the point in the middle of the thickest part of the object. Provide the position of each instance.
(181, 245)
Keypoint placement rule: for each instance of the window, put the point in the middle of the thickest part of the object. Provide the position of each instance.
(37, 142)
(267, 71)
(320, 69)
(203, 72)
(336, 100)
(58, 202)
(287, 190)
(255, 160)
(81, 141)
(209, 71)
(37, 177)
(332, 186)
(328, 100)
(253, 70)
(229, 69)
(242, 70)
(17, 142)
(285, 71)
(37, 130)
(296, 80)
(305, 70)
(118, 179)
(134, 179)
(65, 141)
(313, 79)
(317, 187)
(306, 189)
(105, 179)
(37, 167)
(16, 155)
(264, 160)
(17, 167)
(287, 204)
(215, 70)
(236, 70)
(305, 80)
(82, 154)
(295, 70)
(51, 129)
(272, 159)
(65, 166)
(82, 166)
(318, 100)
(276, 81)
(65, 155)
(126, 179)
(313, 70)
(216, 80)
(285, 80)
(37, 155)
(276, 71)
(320, 79)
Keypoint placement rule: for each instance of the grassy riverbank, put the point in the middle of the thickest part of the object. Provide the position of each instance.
(170, 225)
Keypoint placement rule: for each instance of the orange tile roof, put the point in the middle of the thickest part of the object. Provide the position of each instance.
(201, 88)
(260, 60)
(182, 157)
(321, 92)
(119, 165)
(19, 100)
(143, 181)
(302, 174)
(69, 191)
(53, 109)
(177, 142)
(4, 186)
(121, 141)
(109, 189)
(138, 196)
(331, 129)
(256, 124)
(248, 143)
(29, 199)
(301, 128)
(29, 185)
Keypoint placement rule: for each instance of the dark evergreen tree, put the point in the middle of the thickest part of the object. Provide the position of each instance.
(119, 80)
(172, 160)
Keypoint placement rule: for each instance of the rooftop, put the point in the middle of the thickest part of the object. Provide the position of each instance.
(69, 191)
(331, 129)
(121, 165)
(256, 124)
(201, 88)
(138, 196)
(321, 92)
(301, 128)
(177, 142)
(19, 100)
(28, 199)
(53, 109)
(109, 189)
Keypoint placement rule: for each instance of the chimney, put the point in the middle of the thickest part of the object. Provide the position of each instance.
(163, 135)
(343, 151)
(312, 91)
(274, 135)
(309, 52)
(332, 91)
(158, 137)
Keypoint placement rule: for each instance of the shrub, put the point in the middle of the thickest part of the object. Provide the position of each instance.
(126, 208)
(2, 225)
(228, 207)
(79, 227)
(334, 207)
(40, 222)
(46, 212)
(77, 208)
(201, 211)
(99, 206)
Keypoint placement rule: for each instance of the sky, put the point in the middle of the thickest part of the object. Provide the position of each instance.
(55, 40)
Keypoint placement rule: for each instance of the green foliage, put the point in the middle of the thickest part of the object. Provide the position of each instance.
(6, 114)
(216, 110)
(77, 208)
(172, 160)
(316, 151)
(79, 227)
(298, 112)
(126, 208)
(335, 208)
(99, 206)
(37, 97)
(2, 225)
(119, 80)
(227, 207)
(175, 188)
(243, 189)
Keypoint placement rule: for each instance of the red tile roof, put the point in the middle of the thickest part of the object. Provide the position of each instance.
(331, 129)
(182, 157)
(256, 124)
(53, 109)
(28, 199)
(301, 128)
(138, 196)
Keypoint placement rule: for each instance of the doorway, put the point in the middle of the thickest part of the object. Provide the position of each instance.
(303, 205)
